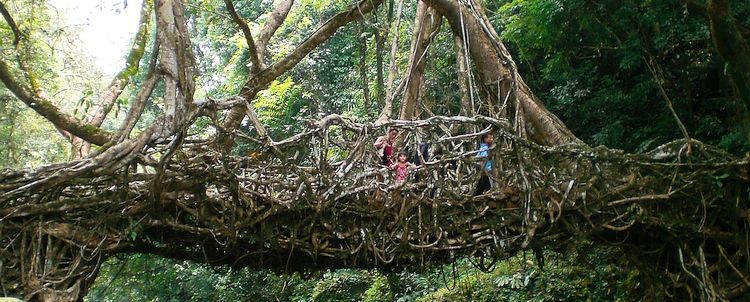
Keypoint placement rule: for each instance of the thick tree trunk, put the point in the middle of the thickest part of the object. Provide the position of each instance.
(176, 61)
(500, 78)
(415, 70)
(426, 23)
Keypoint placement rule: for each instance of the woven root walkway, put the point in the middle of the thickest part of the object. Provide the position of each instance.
(319, 199)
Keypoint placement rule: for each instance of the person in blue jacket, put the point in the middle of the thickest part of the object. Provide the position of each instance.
(485, 183)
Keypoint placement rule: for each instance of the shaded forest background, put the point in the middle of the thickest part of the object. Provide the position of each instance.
(607, 68)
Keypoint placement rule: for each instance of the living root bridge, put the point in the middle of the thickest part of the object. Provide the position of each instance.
(319, 199)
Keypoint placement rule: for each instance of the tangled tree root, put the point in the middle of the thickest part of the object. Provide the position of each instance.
(319, 199)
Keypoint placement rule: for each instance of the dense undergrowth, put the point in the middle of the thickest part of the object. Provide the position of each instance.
(580, 272)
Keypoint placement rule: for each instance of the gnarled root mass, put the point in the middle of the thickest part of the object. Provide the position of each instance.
(320, 199)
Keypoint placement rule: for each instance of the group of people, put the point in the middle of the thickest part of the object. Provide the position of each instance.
(385, 146)
(401, 167)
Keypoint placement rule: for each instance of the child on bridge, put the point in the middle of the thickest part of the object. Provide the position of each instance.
(402, 167)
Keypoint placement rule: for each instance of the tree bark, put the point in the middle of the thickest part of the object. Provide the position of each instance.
(176, 61)
(144, 93)
(258, 48)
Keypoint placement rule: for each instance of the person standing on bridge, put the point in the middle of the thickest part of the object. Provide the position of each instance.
(485, 183)
(384, 145)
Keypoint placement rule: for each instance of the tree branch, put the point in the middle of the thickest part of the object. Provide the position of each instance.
(96, 115)
(362, 49)
(17, 35)
(255, 59)
(141, 97)
(259, 81)
(656, 75)
(131, 68)
(467, 104)
(321, 35)
(11, 23)
(275, 19)
(45, 108)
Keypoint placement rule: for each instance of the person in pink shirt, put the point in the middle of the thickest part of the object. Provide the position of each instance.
(401, 168)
